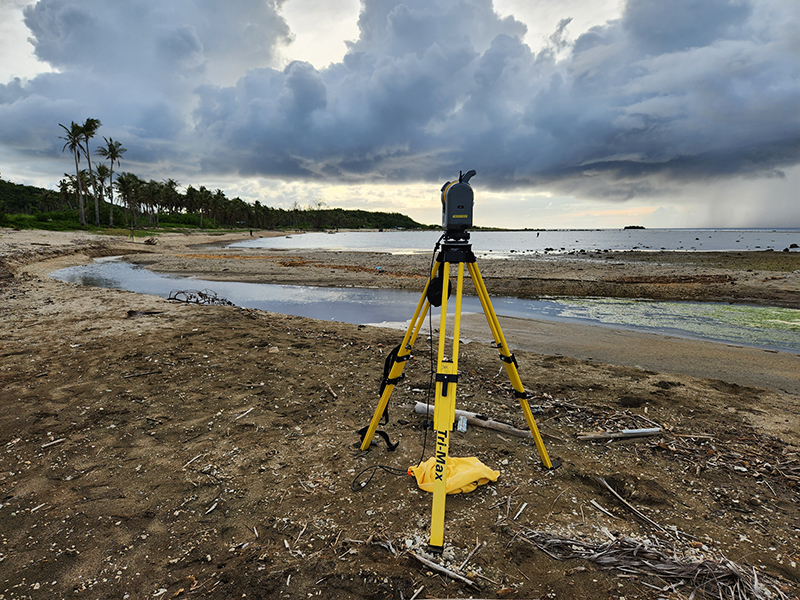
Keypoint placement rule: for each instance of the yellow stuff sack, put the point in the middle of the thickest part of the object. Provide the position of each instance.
(463, 474)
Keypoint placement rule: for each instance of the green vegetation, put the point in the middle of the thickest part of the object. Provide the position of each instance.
(151, 204)
(157, 203)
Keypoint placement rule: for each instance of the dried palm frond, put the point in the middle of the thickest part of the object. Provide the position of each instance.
(721, 578)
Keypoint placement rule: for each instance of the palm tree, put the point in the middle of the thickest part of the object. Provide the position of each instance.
(204, 202)
(113, 152)
(90, 128)
(73, 139)
(171, 196)
(101, 176)
(64, 190)
(128, 186)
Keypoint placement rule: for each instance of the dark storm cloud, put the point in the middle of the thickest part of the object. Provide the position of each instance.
(659, 27)
(685, 90)
(688, 90)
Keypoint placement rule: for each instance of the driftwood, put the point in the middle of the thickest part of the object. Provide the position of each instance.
(477, 420)
(615, 435)
(441, 569)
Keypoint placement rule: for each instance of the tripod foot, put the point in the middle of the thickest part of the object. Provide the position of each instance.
(555, 463)
(435, 549)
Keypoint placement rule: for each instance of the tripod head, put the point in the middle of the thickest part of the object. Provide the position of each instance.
(457, 202)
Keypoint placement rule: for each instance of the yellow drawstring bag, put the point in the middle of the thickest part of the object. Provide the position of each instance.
(463, 474)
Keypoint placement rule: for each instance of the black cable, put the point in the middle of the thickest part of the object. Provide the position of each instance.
(431, 384)
(357, 487)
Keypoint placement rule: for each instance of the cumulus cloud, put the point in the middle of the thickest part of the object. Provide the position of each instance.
(669, 92)
(135, 66)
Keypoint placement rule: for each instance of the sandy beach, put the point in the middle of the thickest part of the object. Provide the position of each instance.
(208, 450)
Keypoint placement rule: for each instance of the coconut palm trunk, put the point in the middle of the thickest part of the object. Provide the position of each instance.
(89, 129)
(73, 138)
(112, 151)
(80, 193)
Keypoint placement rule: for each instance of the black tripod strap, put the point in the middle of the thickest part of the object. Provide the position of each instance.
(389, 445)
(511, 359)
(388, 365)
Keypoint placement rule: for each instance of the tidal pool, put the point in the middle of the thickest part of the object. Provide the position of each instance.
(757, 326)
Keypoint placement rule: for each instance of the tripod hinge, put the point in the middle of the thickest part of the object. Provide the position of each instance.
(393, 381)
(445, 379)
(509, 359)
(536, 410)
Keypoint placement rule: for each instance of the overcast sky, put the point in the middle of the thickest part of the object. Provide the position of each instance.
(575, 113)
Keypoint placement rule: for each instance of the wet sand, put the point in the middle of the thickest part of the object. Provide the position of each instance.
(749, 277)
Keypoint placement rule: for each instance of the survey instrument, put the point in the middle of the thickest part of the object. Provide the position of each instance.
(455, 254)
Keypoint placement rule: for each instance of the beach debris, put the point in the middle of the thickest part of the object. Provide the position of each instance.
(54, 442)
(141, 374)
(628, 505)
(151, 241)
(721, 578)
(143, 313)
(616, 435)
(440, 569)
(206, 297)
(244, 413)
(668, 279)
(478, 546)
(478, 420)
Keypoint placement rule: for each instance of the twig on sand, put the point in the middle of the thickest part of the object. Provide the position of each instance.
(54, 442)
(477, 547)
(140, 374)
(191, 461)
(244, 413)
(603, 510)
(629, 506)
(441, 569)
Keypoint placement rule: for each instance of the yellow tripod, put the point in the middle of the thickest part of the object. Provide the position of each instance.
(456, 250)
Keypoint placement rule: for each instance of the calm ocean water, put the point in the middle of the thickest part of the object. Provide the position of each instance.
(503, 244)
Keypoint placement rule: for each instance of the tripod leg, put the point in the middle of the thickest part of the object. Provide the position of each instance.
(509, 361)
(400, 362)
(445, 409)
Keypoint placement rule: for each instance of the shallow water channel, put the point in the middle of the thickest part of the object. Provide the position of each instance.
(756, 326)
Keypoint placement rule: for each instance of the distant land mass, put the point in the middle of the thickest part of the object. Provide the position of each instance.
(159, 204)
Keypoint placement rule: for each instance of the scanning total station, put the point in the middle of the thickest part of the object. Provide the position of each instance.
(457, 203)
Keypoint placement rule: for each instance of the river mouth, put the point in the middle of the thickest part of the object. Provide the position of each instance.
(769, 328)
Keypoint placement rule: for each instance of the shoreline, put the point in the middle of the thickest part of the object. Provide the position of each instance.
(685, 277)
(154, 445)
(752, 277)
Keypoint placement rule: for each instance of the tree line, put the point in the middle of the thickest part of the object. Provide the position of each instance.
(155, 203)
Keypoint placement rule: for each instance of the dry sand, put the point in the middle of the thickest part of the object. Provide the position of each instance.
(207, 450)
